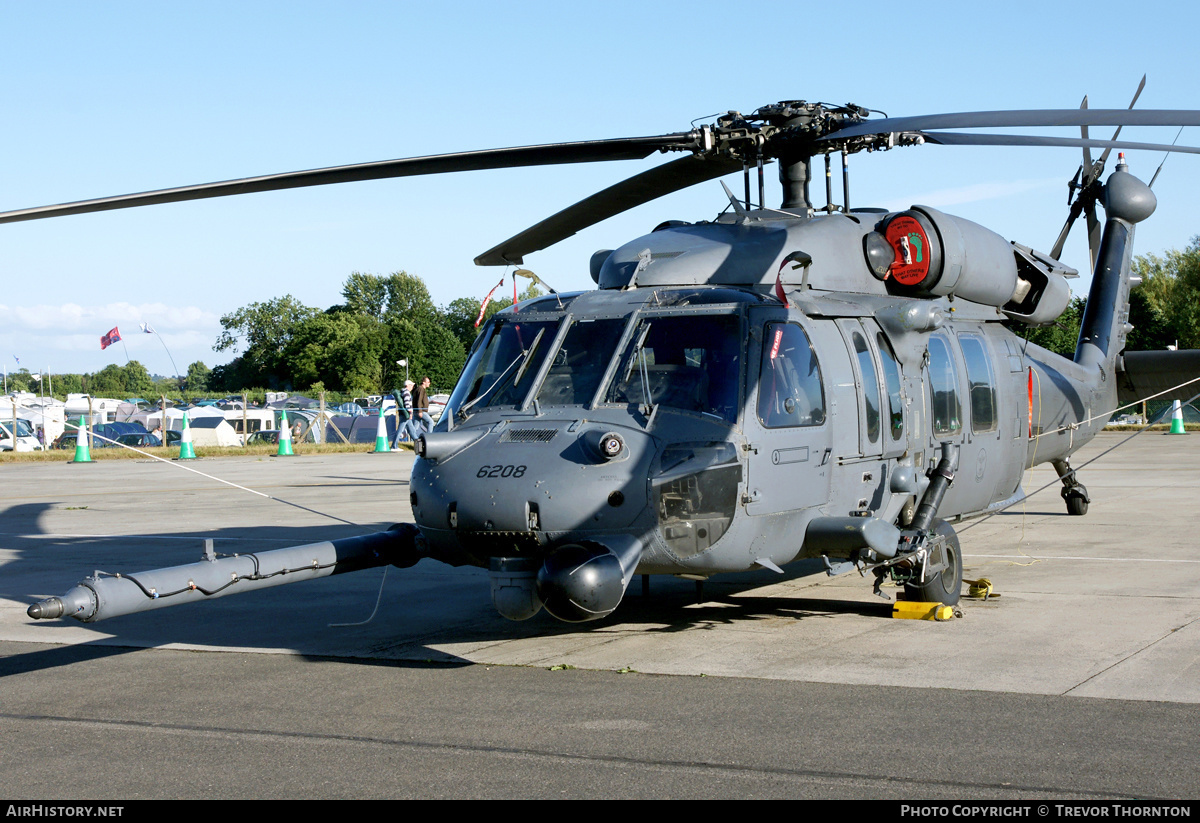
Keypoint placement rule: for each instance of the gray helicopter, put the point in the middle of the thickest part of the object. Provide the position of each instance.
(774, 384)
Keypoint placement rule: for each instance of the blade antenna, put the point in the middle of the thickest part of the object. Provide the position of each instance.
(1164, 160)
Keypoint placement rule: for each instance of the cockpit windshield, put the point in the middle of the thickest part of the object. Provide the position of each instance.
(500, 372)
(687, 362)
(580, 362)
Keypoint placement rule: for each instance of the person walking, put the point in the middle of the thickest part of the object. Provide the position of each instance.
(421, 405)
(407, 429)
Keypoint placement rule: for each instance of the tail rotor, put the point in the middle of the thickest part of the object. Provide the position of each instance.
(1085, 188)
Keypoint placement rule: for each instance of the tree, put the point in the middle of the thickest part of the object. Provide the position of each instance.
(263, 331)
(365, 294)
(20, 381)
(1060, 336)
(407, 296)
(197, 377)
(459, 319)
(341, 350)
(1171, 285)
(130, 380)
(430, 349)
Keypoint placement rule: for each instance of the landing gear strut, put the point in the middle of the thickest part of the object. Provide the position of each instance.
(1073, 492)
(929, 560)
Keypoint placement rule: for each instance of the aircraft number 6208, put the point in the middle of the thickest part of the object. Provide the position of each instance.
(501, 471)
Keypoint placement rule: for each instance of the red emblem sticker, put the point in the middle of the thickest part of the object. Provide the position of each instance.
(908, 238)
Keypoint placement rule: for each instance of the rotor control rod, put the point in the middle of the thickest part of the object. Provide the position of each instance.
(102, 596)
(940, 479)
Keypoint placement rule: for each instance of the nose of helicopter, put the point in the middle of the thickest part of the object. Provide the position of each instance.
(525, 486)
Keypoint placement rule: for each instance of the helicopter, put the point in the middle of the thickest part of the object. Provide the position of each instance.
(775, 384)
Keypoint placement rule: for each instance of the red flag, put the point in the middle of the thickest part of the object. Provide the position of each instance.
(779, 287)
(483, 306)
(107, 340)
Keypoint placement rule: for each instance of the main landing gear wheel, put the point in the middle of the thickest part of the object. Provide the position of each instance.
(944, 586)
(1077, 502)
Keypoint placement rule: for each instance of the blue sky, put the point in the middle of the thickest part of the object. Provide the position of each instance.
(109, 98)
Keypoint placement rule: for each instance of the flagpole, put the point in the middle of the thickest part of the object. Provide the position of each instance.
(160, 340)
(148, 329)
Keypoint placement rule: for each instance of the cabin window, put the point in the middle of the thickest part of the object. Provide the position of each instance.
(982, 385)
(688, 362)
(943, 383)
(891, 376)
(789, 383)
(500, 372)
(580, 362)
(866, 367)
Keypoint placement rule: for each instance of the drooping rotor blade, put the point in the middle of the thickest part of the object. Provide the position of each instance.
(1083, 132)
(1089, 169)
(1094, 232)
(1117, 133)
(625, 148)
(1025, 118)
(639, 189)
(949, 138)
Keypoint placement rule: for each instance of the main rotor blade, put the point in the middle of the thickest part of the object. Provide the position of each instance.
(949, 138)
(1022, 118)
(1094, 232)
(589, 151)
(639, 189)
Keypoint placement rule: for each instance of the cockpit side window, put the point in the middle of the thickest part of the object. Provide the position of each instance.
(982, 384)
(789, 384)
(943, 383)
(686, 362)
(891, 373)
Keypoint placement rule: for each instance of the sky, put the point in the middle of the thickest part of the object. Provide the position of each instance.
(109, 98)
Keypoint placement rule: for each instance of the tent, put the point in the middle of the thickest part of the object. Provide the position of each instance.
(359, 429)
(208, 430)
(154, 420)
(196, 412)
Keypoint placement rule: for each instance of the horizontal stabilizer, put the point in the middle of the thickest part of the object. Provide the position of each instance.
(1143, 374)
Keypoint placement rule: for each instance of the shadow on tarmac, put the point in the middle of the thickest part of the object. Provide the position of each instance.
(422, 606)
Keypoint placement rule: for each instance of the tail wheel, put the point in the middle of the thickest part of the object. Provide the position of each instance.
(946, 585)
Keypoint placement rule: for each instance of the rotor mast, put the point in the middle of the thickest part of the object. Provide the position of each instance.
(789, 132)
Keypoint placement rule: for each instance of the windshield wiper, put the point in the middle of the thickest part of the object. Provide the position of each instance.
(637, 350)
(523, 357)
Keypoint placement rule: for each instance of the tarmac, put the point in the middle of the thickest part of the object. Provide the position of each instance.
(1080, 677)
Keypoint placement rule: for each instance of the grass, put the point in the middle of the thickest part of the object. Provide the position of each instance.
(170, 452)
